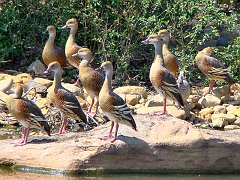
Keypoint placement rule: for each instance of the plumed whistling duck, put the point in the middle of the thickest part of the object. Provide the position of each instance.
(64, 100)
(51, 52)
(212, 68)
(91, 79)
(112, 105)
(27, 113)
(161, 78)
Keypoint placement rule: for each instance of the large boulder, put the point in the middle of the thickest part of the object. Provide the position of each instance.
(161, 144)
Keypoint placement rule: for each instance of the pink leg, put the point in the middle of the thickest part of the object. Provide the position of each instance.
(158, 113)
(89, 111)
(211, 84)
(62, 128)
(116, 132)
(110, 133)
(23, 141)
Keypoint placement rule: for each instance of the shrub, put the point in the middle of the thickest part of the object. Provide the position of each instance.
(113, 29)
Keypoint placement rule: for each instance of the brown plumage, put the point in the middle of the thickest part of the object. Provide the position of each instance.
(91, 80)
(51, 52)
(112, 105)
(63, 99)
(170, 60)
(71, 46)
(27, 113)
(163, 81)
(212, 68)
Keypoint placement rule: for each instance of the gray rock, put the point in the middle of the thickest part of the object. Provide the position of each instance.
(39, 87)
(37, 66)
(209, 101)
(219, 109)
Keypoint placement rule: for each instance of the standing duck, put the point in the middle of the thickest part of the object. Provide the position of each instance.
(62, 99)
(51, 52)
(91, 79)
(212, 68)
(71, 46)
(170, 60)
(112, 105)
(161, 78)
(27, 113)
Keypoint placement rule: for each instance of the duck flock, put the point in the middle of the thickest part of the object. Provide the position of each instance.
(164, 76)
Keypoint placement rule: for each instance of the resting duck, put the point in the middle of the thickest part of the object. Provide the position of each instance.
(51, 52)
(112, 105)
(161, 78)
(62, 99)
(212, 68)
(91, 79)
(27, 113)
(170, 60)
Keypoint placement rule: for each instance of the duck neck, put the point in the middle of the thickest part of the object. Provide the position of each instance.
(86, 60)
(158, 54)
(57, 80)
(107, 82)
(73, 32)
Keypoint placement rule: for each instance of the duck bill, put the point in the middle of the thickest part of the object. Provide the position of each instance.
(145, 41)
(64, 27)
(75, 55)
(99, 68)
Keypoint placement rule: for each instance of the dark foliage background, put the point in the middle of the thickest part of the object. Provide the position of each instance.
(113, 29)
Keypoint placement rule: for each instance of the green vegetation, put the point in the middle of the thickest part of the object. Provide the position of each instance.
(113, 29)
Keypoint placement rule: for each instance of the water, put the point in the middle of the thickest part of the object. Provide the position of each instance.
(29, 176)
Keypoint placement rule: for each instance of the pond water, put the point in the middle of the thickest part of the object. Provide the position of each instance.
(28, 176)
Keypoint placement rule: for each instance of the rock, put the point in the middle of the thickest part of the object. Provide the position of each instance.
(206, 113)
(221, 91)
(132, 99)
(44, 82)
(36, 66)
(142, 101)
(138, 106)
(193, 98)
(39, 87)
(25, 77)
(236, 112)
(162, 144)
(209, 101)
(218, 122)
(231, 127)
(6, 84)
(226, 118)
(232, 108)
(74, 89)
(237, 122)
(220, 109)
(42, 102)
(172, 110)
(227, 98)
(235, 87)
(157, 100)
(134, 90)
